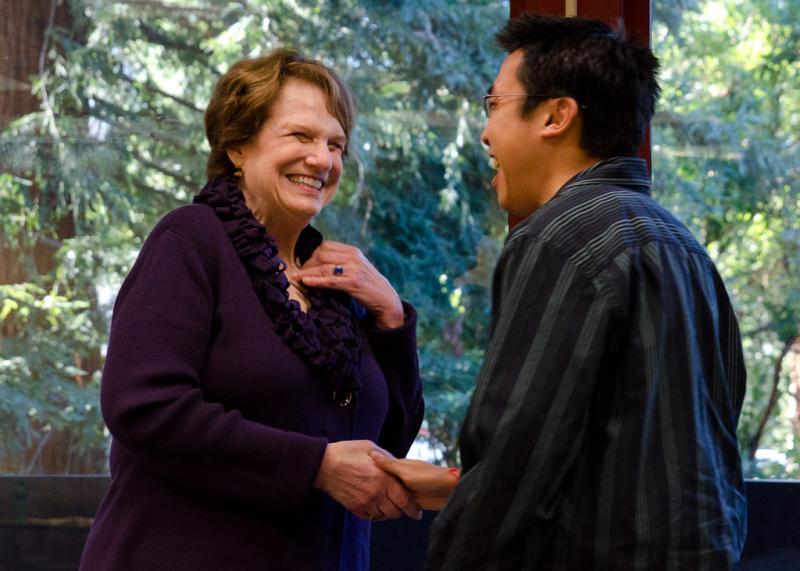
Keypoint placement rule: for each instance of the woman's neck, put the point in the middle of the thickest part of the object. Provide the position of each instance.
(286, 239)
(286, 242)
(284, 230)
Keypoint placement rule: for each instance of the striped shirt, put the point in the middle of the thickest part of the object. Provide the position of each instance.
(602, 431)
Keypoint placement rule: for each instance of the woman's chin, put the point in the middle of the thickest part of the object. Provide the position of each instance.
(305, 213)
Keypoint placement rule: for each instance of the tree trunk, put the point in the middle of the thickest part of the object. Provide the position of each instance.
(25, 28)
(794, 382)
(24, 42)
(755, 441)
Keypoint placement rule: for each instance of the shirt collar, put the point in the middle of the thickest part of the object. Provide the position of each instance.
(627, 172)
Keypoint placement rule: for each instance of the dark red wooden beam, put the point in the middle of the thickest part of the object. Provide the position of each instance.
(537, 7)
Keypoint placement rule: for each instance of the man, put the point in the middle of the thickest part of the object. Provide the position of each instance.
(602, 430)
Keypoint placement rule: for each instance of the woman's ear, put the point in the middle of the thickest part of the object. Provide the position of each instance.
(235, 155)
(562, 115)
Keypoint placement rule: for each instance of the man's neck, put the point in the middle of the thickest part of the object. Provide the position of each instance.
(566, 167)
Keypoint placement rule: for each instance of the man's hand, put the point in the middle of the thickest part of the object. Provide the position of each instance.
(430, 485)
(350, 477)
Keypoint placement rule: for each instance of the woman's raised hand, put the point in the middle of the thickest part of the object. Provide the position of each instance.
(349, 475)
(343, 267)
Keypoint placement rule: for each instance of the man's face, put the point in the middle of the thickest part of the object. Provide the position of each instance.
(514, 142)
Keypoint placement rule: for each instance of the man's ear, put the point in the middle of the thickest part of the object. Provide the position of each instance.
(562, 116)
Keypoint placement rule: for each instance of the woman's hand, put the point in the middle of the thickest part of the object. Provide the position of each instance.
(350, 477)
(343, 267)
(430, 485)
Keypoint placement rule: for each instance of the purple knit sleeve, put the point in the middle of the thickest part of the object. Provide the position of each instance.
(154, 406)
(395, 351)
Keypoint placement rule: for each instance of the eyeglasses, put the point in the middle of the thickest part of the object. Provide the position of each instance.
(488, 104)
(488, 100)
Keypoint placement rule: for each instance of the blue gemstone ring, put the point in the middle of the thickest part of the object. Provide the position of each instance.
(338, 271)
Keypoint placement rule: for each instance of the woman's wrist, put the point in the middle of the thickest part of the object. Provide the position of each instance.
(393, 318)
(319, 480)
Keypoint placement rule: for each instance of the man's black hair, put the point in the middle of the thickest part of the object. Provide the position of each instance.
(614, 80)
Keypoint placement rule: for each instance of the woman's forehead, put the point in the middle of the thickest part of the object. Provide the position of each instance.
(303, 105)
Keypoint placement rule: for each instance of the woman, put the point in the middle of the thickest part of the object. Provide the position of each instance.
(251, 366)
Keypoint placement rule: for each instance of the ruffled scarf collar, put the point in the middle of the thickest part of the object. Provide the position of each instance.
(327, 335)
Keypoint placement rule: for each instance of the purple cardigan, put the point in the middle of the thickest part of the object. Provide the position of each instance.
(219, 427)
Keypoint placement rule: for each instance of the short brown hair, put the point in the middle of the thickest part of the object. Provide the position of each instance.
(243, 97)
(613, 79)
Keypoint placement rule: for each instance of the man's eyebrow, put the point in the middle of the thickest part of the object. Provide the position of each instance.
(491, 88)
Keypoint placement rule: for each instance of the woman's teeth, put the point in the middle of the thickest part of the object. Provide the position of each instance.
(306, 180)
(493, 163)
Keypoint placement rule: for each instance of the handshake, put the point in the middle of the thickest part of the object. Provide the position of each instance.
(375, 485)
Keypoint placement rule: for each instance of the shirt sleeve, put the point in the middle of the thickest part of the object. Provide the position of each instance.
(154, 406)
(525, 427)
(395, 351)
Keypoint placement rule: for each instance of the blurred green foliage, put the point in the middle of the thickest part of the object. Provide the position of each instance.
(119, 142)
(726, 158)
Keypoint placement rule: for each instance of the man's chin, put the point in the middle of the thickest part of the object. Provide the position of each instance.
(515, 211)
(502, 202)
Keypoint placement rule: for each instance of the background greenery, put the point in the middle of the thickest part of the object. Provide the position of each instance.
(118, 142)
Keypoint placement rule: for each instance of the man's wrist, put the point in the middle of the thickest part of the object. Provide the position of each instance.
(456, 474)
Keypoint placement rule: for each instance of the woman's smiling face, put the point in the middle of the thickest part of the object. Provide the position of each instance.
(293, 165)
